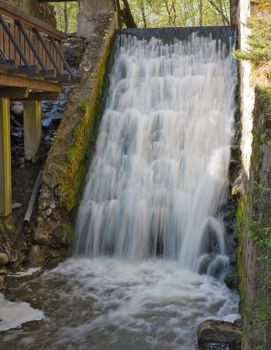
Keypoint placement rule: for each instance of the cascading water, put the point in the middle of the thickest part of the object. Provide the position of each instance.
(149, 234)
(161, 164)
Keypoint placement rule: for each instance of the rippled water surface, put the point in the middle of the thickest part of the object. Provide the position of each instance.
(107, 303)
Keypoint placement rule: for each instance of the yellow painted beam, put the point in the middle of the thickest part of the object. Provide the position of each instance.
(32, 128)
(34, 84)
(5, 159)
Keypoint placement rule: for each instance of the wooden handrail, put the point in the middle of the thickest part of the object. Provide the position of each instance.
(30, 21)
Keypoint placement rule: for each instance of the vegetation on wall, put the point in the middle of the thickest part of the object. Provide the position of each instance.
(259, 52)
(253, 216)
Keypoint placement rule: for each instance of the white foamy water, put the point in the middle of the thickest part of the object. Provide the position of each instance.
(14, 314)
(161, 164)
(108, 303)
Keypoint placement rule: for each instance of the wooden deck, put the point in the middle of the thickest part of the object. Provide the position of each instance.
(32, 69)
(31, 50)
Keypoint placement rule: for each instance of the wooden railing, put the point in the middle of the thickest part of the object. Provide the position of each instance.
(30, 46)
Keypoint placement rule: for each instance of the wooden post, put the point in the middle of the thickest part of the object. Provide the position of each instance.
(5, 159)
(32, 128)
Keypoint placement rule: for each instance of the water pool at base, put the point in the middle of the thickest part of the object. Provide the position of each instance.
(106, 304)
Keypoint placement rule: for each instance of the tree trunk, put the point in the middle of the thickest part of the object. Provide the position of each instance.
(200, 12)
(118, 10)
(127, 16)
(225, 19)
(66, 24)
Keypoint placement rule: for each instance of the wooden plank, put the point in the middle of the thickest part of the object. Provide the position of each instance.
(30, 21)
(35, 84)
(61, 56)
(38, 96)
(14, 93)
(13, 40)
(34, 52)
(47, 50)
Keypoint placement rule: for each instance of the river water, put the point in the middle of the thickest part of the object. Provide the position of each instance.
(150, 254)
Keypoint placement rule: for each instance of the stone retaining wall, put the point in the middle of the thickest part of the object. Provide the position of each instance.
(68, 159)
(253, 213)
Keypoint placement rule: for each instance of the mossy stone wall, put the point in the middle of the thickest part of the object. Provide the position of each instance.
(74, 143)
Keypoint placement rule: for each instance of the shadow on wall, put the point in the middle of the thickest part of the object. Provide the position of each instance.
(254, 226)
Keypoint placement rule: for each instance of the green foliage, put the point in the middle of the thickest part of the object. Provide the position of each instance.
(263, 310)
(83, 106)
(76, 166)
(259, 41)
(167, 13)
(66, 16)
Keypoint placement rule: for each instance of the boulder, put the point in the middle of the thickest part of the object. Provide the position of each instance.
(17, 109)
(36, 256)
(4, 259)
(219, 332)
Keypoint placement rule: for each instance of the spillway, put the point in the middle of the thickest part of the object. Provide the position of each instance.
(161, 165)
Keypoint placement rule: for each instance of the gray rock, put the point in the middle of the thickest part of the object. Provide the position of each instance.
(16, 205)
(45, 195)
(17, 109)
(4, 259)
(53, 205)
(40, 237)
(221, 332)
(49, 212)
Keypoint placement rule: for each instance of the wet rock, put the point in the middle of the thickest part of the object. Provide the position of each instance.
(219, 332)
(4, 259)
(46, 123)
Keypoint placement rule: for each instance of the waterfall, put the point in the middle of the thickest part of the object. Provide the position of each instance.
(160, 170)
(150, 251)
